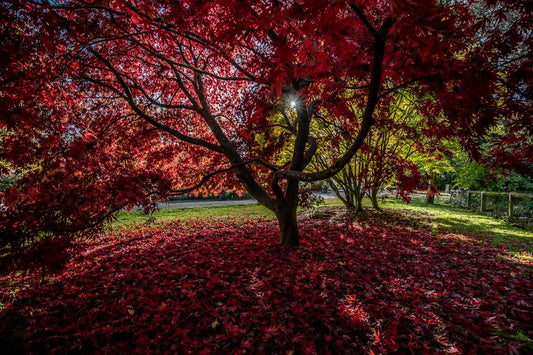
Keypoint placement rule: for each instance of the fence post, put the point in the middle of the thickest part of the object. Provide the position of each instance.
(510, 211)
(483, 201)
(468, 199)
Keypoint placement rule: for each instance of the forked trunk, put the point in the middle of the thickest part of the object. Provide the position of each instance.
(288, 225)
(353, 203)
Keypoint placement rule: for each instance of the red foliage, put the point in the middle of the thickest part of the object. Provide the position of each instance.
(408, 179)
(105, 104)
(226, 288)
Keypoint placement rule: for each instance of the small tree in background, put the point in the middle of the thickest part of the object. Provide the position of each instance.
(382, 161)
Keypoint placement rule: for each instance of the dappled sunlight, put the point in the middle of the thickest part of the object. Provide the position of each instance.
(513, 233)
(520, 257)
(108, 106)
(446, 218)
(349, 287)
(460, 237)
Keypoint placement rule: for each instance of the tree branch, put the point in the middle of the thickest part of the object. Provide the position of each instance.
(363, 18)
(127, 95)
(406, 84)
(206, 178)
(368, 119)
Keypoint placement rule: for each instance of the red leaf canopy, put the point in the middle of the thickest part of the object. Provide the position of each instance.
(111, 103)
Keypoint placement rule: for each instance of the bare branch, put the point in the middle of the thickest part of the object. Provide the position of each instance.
(206, 178)
(407, 84)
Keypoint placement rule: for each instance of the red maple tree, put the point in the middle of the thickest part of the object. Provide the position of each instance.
(110, 103)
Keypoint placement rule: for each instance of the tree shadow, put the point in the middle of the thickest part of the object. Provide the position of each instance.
(476, 226)
(350, 287)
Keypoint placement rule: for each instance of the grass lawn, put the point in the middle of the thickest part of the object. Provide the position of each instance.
(406, 279)
(442, 217)
(239, 212)
(448, 219)
(245, 212)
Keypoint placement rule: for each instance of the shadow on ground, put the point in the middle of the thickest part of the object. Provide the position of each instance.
(379, 284)
(446, 218)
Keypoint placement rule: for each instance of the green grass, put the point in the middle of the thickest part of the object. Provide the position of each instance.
(444, 218)
(244, 212)
(133, 218)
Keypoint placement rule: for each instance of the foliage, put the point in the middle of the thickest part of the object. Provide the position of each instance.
(384, 158)
(432, 163)
(7, 182)
(438, 161)
(119, 102)
(473, 176)
(225, 287)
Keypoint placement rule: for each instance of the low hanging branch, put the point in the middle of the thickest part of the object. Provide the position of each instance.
(207, 177)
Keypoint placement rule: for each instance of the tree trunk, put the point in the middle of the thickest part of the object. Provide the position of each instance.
(358, 200)
(374, 198)
(430, 197)
(359, 207)
(349, 204)
(288, 225)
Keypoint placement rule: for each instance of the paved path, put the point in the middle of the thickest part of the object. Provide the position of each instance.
(203, 203)
(209, 203)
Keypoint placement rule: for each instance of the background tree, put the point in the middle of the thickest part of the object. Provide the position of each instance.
(384, 158)
(470, 175)
(432, 164)
(185, 87)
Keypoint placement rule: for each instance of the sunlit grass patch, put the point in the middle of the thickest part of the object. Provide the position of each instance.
(244, 212)
(446, 218)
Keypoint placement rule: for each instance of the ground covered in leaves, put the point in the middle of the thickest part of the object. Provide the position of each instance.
(383, 284)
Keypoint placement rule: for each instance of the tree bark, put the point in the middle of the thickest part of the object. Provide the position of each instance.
(354, 198)
(359, 201)
(430, 197)
(374, 198)
(288, 224)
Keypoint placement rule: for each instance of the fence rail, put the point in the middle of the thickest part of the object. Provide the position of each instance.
(511, 204)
